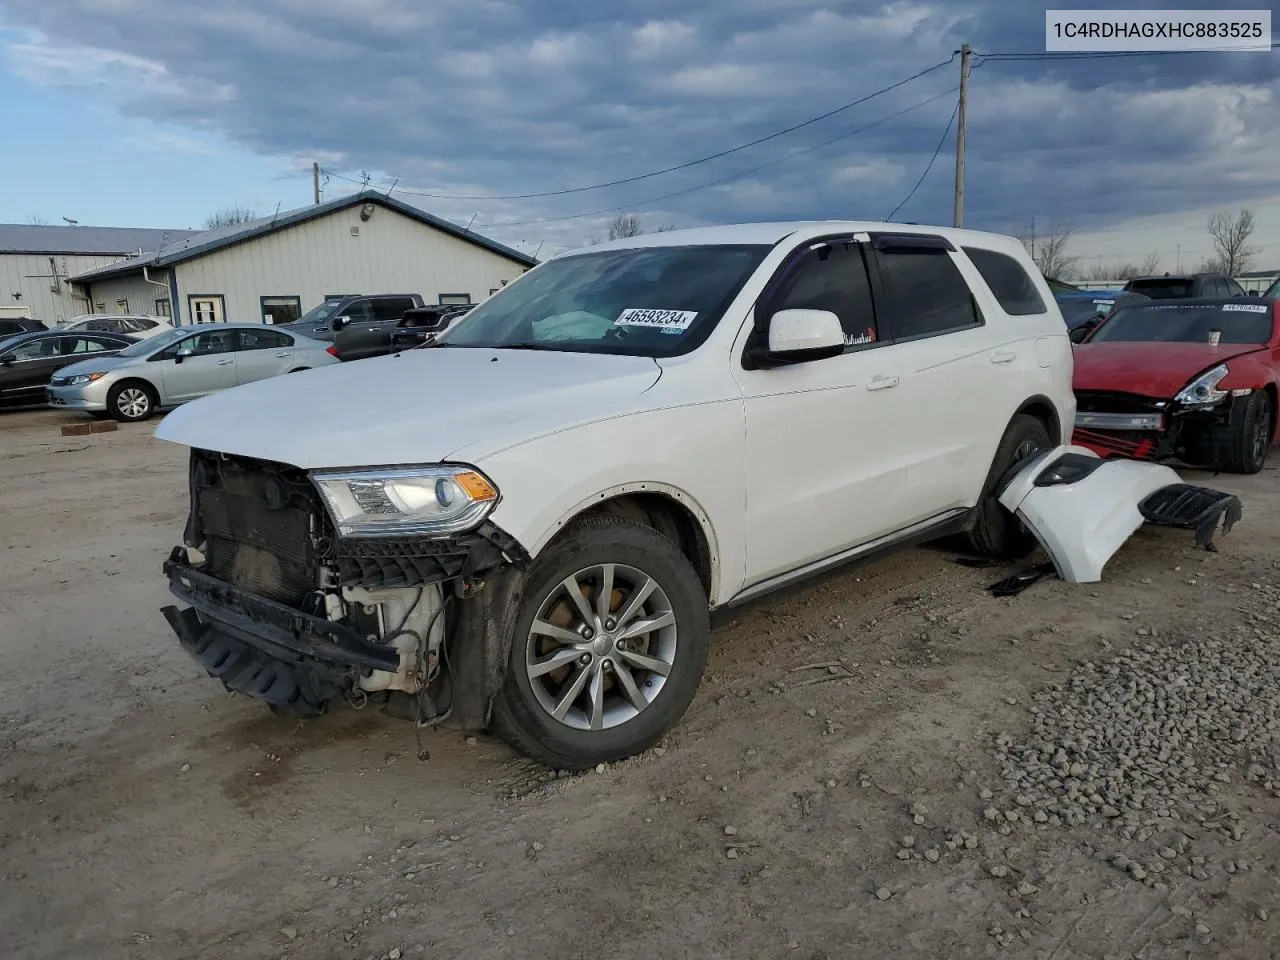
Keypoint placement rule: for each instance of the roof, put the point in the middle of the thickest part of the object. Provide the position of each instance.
(208, 241)
(770, 233)
(106, 241)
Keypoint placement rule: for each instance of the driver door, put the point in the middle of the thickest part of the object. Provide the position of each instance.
(828, 441)
(211, 365)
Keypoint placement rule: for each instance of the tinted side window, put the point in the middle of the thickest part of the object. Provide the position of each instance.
(391, 308)
(359, 312)
(263, 340)
(925, 293)
(832, 277)
(1013, 287)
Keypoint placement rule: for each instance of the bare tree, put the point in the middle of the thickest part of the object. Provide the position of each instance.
(1049, 249)
(1121, 271)
(625, 225)
(1231, 233)
(665, 228)
(38, 221)
(229, 217)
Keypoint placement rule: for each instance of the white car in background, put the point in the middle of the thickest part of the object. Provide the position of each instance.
(131, 324)
(181, 364)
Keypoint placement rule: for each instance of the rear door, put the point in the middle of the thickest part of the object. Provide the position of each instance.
(210, 367)
(961, 364)
(263, 353)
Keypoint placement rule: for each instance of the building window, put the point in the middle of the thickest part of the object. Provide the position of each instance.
(100, 307)
(162, 307)
(454, 299)
(280, 309)
(206, 308)
(122, 305)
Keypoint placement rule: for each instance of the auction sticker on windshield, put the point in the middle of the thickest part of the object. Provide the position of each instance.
(1247, 307)
(658, 319)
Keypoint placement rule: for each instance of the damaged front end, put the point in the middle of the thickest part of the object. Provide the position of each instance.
(284, 605)
(1082, 508)
(1187, 428)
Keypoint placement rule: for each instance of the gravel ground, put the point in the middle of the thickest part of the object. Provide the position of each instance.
(890, 764)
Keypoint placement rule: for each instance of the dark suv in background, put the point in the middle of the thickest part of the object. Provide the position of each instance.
(324, 321)
(1185, 285)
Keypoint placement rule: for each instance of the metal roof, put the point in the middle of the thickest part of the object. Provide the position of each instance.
(207, 241)
(106, 241)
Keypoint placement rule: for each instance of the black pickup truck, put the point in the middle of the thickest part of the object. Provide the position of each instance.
(357, 341)
(324, 321)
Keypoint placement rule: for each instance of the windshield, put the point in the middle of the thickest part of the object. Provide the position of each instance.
(1163, 288)
(643, 302)
(144, 347)
(318, 314)
(1193, 323)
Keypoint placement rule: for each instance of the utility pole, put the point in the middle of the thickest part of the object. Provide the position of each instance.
(1033, 239)
(315, 179)
(965, 53)
(1179, 266)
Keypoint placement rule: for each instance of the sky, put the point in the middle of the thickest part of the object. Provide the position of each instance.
(158, 112)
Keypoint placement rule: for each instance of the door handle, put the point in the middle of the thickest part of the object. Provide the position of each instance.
(882, 383)
(223, 363)
(282, 356)
(1003, 356)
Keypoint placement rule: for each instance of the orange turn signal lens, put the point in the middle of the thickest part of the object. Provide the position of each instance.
(476, 487)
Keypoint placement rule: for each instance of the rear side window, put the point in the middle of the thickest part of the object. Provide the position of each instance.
(925, 294)
(1014, 289)
(1163, 288)
(391, 308)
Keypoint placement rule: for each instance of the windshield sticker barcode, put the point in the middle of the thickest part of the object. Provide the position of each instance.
(1246, 307)
(661, 319)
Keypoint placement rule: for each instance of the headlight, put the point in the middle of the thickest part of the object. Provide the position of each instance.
(1203, 390)
(425, 501)
(83, 378)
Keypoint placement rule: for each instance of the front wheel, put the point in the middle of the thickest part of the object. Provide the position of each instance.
(609, 645)
(997, 532)
(131, 402)
(1243, 446)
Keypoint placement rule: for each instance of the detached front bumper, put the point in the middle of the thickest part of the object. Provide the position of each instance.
(266, 649)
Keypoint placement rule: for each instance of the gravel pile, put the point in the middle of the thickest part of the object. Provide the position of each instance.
(1148, 738)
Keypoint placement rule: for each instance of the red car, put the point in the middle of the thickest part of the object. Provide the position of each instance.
(1195, 380)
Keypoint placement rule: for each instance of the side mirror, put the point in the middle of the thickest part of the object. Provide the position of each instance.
(183, 354)
(6, 361)
(340, 322)
(1079, 334)
(796, 336)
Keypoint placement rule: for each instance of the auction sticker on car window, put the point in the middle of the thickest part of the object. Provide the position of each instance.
(677, 320)
(1247, 307)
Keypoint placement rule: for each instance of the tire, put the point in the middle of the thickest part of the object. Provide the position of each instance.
(996, 532)
(1243, 446)
(131, 401)
(523, 713)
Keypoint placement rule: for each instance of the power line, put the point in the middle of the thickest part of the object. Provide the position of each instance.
(680, 166)
(929, 166)
(1102, 55)
(733, 176)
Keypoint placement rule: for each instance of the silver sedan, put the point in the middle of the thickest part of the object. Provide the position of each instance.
(182, 364)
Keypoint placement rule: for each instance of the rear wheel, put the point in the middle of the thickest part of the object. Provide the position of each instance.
(608, 647)
(131, 401)
(997, 532)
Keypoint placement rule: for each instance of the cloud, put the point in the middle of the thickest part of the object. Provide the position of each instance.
(498, 97)
(172, 143)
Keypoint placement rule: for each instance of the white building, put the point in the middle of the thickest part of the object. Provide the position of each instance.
(276, 268)
(37, 262)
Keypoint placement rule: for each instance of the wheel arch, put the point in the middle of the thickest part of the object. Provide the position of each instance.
(1044, 410)
(664, 507)
(156, 396)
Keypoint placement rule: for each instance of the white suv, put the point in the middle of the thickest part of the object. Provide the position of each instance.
(526, 524)
(133, 324)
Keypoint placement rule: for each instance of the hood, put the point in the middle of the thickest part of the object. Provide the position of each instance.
(419, 406)
(99, 364)
(1148, 369)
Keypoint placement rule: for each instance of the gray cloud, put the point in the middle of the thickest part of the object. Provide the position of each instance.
(495, 97)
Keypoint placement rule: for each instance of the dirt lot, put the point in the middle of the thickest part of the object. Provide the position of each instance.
(144, 813)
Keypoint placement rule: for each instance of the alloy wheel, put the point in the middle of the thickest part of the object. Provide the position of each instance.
(133, 402)
(601, 647)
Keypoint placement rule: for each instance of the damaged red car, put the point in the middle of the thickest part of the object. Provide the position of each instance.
(1191, 380)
